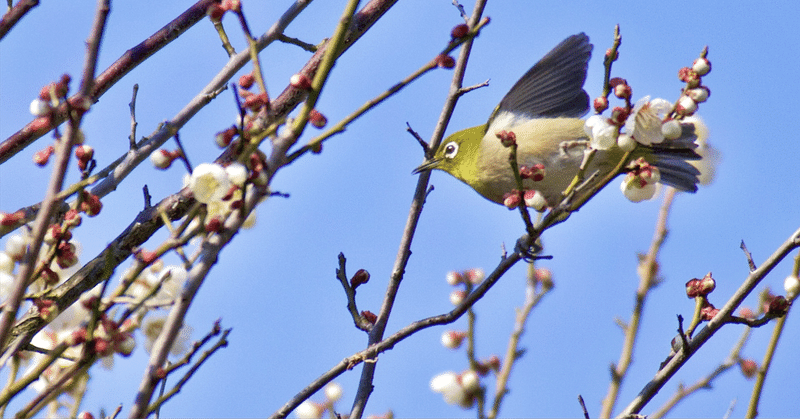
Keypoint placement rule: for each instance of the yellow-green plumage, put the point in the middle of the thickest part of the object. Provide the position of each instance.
(543, 110)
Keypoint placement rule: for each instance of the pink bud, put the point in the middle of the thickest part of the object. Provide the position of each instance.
(511, 199)
(41, 157)
(247, 80)
(600, 104)
(317, 119)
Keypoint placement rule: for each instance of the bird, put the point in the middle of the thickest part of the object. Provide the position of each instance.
(543, 110)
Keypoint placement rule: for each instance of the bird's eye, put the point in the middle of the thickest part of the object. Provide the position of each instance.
(450, 150)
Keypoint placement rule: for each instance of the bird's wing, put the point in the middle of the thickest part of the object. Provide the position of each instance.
(553, 87)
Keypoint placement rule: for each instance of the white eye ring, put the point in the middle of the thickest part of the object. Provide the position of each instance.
(450, 150)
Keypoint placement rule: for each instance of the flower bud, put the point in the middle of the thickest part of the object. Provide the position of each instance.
(708, 312)
(454, 278)
(255, 101)
(39, 107)
(475, 276)
(688, 76)
(77, 337)
(452, 339)
(511, 199)
(623, 91)
(600, 104)
(300, 81)
(457, 296)
(534, 173)
(215, 12)
(317, 119)
(91, 204)
(213, 225)
(507, 138)
(748, 367)
(161, 159)
(41, 157)
(778, 307)
(246, 80)
(361, 277)
(369, 316)
(686, 106)
(699, 94)
(619, 115)
(445, 61)
(224, 138)
(65, 255)
(701, 66)
(459, 31)
(145, 256)
(470, 381)
(534, 199)
(72, 218)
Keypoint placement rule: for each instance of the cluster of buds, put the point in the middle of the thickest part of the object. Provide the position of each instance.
(534, 173)
(458, 389)
(162, 159)
(507, 138)
(90, 203)
(66, 256)
(109, 337)
(48, 309)
(639, 183)
(216, 11)
(694, 92)
(468, 279)
(531, 198)
(314, 410)
(84, 153)
(50, 96)
(701, 288)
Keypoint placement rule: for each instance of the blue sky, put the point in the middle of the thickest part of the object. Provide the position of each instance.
(275, 284)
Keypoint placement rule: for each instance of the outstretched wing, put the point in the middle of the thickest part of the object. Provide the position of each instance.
(553, 87)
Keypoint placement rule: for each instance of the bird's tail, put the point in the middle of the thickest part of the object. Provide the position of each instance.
(673, 157)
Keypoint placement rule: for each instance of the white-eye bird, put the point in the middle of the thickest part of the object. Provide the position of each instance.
(543, 110)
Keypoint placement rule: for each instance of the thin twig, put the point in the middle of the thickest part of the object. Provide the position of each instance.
(532, 299)
(404, 253)
(14, 14)
(648, 278)
(132, 106)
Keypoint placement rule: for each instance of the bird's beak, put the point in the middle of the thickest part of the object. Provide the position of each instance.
(428, 165)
